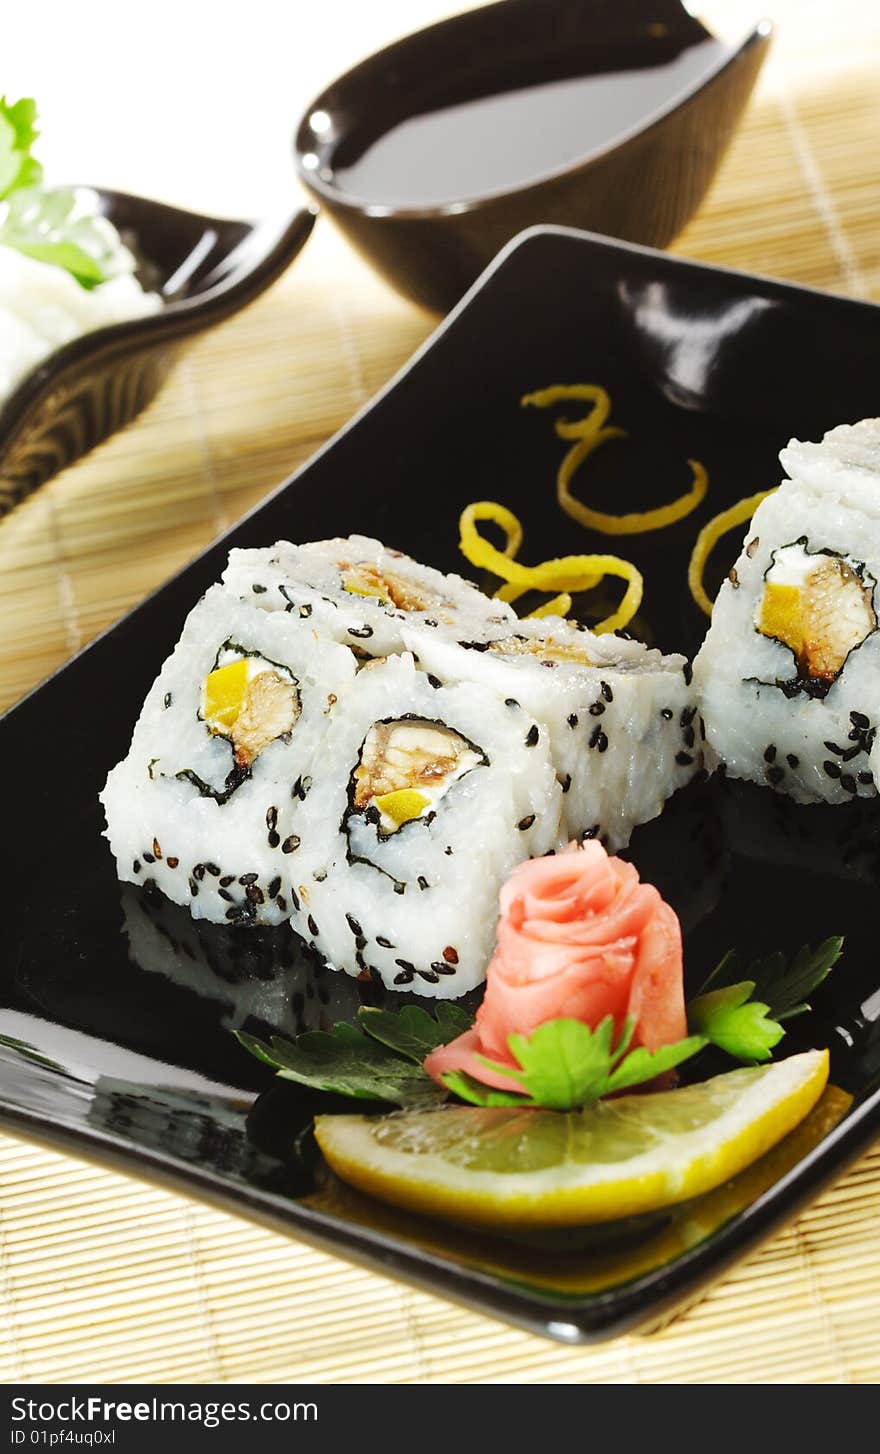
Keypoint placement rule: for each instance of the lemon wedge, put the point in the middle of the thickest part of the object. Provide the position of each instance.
(536, 1168)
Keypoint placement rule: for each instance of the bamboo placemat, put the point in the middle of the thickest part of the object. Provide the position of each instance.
(104, 1278)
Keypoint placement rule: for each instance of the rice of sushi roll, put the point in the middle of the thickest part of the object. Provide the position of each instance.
(428, 796)
(356, 591)
(209, 802)
(620, 718)
(789, 673)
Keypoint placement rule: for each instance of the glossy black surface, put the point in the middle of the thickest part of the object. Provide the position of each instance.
(115, 1036)
(205, 268)
(606, 114)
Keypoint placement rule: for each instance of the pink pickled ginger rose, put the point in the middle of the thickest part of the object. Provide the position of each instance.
(579, 937)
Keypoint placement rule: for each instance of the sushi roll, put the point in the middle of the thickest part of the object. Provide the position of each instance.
(428, 795)
(209, 802)
(356, 591)
(789, 673)
(621, 719)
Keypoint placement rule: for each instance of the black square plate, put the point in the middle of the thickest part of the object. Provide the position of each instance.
(115, 1028)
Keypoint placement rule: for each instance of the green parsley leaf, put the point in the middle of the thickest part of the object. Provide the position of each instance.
(412, 1032)
(346, 1061)
(17, 135)
(468, 1089)
(784, 987)
(736, 1023)
(565, 1064)
(379, 1058)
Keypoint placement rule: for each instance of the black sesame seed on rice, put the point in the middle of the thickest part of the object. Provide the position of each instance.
(859, 719)
(532, 735)
(831, 768)
(687, 716)
(291, 844)
(405, 977)
(441, 968)
(199, 871)
(598, 739)
(597, 709)
(271, 818)
(434, 682)
(573, 720)
(168, 699)
(866, 779)
(353, 924)
(564, 781)
(526, 822)
(511, 702)
(255, 894)
(430, 975)
(294, 899)
(281, 902)
(275, 886)
(226, 880)
(212, 869)
(775, 775)
(248, 878)
(792, 759)
(136, 866)
(405, 964)
(193, 886)
(666, 713)
(359, 944)
(848, 783)
(148, 858)
(313, 928)
(607, 692)
(688, 736)
(683, 759)
(422, 881)
(770, 753)
(225, 894)
(273, 839)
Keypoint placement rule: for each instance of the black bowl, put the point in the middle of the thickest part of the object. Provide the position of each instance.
(376, 131)
(206, 268)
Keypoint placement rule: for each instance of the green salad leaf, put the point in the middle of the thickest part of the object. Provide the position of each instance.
(17, 135)
(564, 1064)
(52, 226)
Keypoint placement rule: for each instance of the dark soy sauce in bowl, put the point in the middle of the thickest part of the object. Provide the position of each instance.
(608, 115)
(509, 126)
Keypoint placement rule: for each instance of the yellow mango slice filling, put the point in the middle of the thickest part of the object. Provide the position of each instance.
(366, 583)
(782, 616)
(402, 806)
(225, 692)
